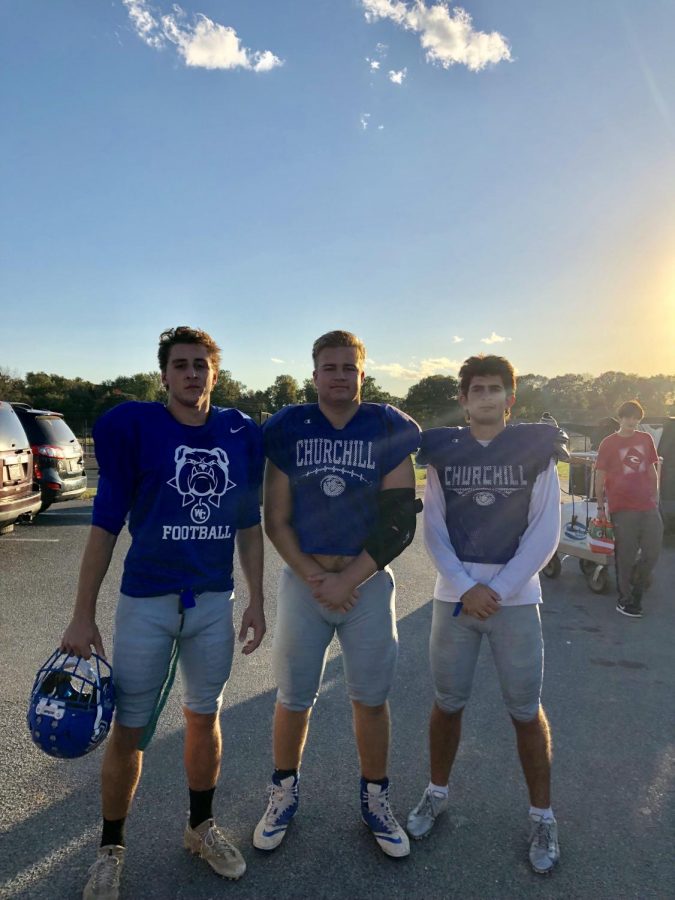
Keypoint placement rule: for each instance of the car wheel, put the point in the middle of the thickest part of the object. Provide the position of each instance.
(45, 505)
(553, 567)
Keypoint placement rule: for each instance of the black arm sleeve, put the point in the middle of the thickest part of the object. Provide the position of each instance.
(395, 526)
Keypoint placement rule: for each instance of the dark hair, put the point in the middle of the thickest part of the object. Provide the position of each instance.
(339, 339)
(183, 334)
(487, 365)
(630, 408)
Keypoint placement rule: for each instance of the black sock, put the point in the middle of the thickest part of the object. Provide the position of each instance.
(280, 774)
(201, 806)
(113, 832)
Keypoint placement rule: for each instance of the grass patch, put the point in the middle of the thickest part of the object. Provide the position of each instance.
(89, 494)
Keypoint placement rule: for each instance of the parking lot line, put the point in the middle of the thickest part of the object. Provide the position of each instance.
(39, 869)
(31, 540)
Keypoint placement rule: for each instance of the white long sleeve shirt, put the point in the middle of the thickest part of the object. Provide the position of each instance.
(517, 581)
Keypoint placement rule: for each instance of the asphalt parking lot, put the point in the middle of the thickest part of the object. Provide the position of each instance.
(609, 689)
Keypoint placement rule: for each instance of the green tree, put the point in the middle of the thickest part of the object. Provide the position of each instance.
(308, 392)
(530, 400)
(371, 392)
(227, 392)
(284, 392)
(433, 401)
(142, 385)
(12, 388)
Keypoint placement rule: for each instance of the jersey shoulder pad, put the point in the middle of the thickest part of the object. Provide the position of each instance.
(399, 419)
(437, 441)
(290, 415)
(549, 440)
(126, 415)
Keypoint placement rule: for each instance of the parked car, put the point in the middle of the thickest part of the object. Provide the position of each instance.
(58, 464)
(18, 494)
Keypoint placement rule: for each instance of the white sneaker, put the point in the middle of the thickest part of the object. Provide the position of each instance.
(104, 876)
(209, 842)
(281, 807)
(421, 819)
(377, 815)
(544, 847)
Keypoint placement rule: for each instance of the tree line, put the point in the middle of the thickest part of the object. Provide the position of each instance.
(432, 401)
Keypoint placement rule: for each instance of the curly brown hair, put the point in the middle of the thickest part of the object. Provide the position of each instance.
(183, 334)
(487, 365)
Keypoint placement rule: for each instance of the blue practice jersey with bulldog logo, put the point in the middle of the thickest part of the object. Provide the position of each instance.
(487, 489)
(335, 474)
(185, 489)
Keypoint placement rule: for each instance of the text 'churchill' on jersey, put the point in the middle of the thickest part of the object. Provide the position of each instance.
(503, 478)
(337, 452)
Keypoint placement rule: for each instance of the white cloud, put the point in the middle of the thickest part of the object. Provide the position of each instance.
(145, 24)
(397, 77)
(364, 120)
(447, 36)
(380, 127)
(374, 64)
(204, 44)
(494, 339)
(457, 340)
(415, 371)
(278, 361)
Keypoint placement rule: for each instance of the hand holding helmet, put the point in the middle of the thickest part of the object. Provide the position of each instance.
(71, 705)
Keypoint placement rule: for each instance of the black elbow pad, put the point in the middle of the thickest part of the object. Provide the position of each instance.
(395, 526)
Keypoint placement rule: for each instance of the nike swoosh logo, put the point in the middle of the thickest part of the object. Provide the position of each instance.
(272, 833)
(235, 430)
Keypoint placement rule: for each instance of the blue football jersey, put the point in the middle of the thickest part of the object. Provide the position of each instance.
(336, 474)
(488, 489)
(186, 489)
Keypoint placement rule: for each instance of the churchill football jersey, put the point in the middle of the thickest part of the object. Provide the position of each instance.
(487, 489)
(336, 474)
(186, 490)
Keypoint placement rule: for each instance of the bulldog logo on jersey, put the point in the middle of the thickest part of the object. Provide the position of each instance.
(333, 485)
(202, 478)
(484, 498)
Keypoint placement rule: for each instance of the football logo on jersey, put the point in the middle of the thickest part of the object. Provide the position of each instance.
(484, 498)
(333, 485)
(202, 478)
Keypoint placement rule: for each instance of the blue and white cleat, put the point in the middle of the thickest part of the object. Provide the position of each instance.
(377, 815)
(282, 806)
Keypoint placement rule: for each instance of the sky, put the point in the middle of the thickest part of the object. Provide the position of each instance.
(443, 181)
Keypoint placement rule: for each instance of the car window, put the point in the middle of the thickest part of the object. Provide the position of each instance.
(11, 430)
(53, 430)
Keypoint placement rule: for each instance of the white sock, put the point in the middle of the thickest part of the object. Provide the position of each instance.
(545, 814)
(439, 790)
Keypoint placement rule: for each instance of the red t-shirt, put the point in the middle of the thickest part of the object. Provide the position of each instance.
(627, 462)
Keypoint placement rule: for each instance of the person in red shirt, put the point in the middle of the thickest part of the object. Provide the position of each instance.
(626, 475)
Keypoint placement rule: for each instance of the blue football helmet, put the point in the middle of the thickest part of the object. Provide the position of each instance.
(71, 705)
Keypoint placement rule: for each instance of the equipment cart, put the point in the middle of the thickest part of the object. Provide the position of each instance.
(576, 511)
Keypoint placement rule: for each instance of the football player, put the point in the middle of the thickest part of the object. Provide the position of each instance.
(187, 476)
(491, 522)
(339, 506)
